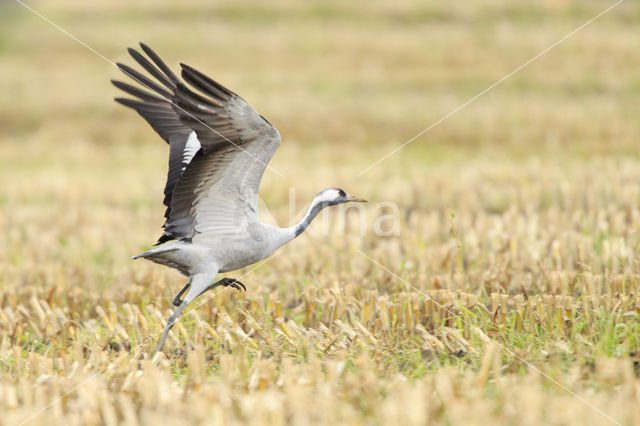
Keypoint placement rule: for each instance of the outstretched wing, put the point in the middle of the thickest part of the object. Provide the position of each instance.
(214, 192)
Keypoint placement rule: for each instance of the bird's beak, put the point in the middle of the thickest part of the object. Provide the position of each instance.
(351, 198)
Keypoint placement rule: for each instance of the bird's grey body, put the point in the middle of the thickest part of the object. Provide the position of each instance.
(223, 254)
(219, 148)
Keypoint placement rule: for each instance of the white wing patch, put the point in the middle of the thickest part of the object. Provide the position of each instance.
(190, 148)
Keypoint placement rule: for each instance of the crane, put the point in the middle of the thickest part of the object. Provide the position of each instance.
(219, 147)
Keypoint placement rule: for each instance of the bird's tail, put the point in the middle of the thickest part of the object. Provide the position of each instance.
(154, 251)
(138, 256)
(164, 255)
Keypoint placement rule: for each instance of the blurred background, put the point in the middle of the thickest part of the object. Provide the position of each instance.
(345, 82)
(517, 217)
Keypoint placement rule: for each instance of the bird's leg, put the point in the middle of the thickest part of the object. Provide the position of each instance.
(226, 282)
(182, 303)
(176, 300)
(170, 323)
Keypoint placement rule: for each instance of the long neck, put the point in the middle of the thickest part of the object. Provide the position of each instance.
(284, 235)
(315, 208)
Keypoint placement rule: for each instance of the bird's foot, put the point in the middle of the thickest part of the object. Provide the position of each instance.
(232, 282)
(176, 300)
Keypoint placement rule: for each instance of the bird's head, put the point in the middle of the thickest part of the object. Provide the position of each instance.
(333, 196)
(325, 198)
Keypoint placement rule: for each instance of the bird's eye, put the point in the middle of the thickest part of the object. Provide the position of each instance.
(342, 193)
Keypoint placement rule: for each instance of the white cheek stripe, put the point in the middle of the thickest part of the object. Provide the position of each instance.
(328, 195)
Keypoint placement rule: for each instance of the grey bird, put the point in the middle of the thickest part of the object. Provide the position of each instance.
(219, 147)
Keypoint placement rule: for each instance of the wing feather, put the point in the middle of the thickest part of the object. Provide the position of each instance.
(219, 148)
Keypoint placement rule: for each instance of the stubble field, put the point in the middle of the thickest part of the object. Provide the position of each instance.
(493, 277)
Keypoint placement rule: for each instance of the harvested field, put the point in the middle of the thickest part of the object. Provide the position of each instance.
(493, 277)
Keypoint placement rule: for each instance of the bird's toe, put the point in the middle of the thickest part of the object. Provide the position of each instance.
(235, 284)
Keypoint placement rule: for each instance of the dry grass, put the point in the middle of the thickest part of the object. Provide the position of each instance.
(518, 219)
